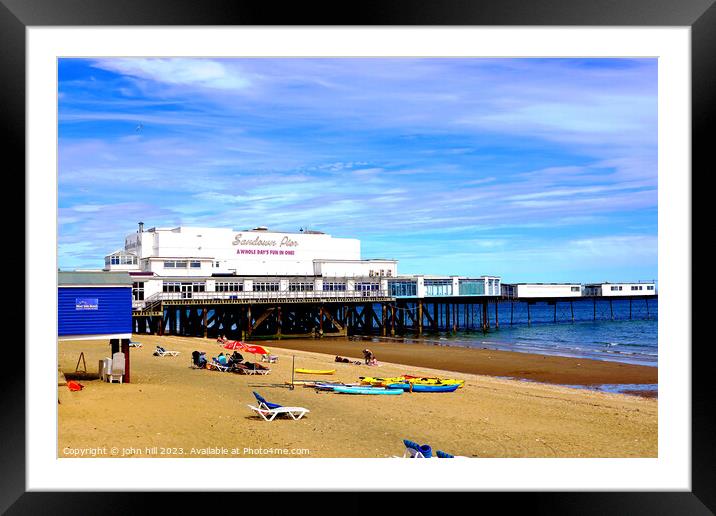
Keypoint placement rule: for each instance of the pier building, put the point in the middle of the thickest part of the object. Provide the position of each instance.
(258, 282)
(620, 289)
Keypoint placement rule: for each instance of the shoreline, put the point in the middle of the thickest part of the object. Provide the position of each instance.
(548, 369)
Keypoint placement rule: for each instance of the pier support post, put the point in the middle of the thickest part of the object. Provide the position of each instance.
(485, 318)
(555, 312)
(392, 320)
(594, 300)
(529, 316)
(278, 321)
(611, 310)
(320, 321)
(646, 300)
(512, 311)
(420, 317)
(249, 324)
(383, 321)
(630, 309)
(447, 317)
(497, 316)
(204, 318)
(571, 309)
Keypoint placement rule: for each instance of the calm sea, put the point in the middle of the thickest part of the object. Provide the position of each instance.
(620, 333)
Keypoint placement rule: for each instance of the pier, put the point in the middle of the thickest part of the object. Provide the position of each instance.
(276, 315)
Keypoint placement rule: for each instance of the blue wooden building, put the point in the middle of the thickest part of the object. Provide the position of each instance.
(96, 306)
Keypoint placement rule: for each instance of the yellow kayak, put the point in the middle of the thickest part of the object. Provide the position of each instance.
(315, 371)
(382, 382)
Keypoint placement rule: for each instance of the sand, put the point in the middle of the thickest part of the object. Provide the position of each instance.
(172, 410)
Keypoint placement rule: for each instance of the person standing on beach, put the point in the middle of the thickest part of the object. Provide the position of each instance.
(368, 356)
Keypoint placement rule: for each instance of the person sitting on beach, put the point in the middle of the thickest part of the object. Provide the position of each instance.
(236, 357)
(222, 359)
(368, 356)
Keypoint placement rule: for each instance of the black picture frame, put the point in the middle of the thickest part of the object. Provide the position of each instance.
(700, 15)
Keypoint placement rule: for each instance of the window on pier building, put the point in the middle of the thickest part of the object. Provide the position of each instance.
(171, 286)
(265, 286)
(334, 286)
(138, 291)
(403, 288)
(575, 289)
(367, 287)
(175, 264)
(438, 287)
(229, 286)
(300, 286)
(195, 264)
(473, 288)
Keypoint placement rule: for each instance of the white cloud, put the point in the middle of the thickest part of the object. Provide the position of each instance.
(180, 71)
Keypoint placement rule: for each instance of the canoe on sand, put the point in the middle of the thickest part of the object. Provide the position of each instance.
(315, 371)
(366, 390)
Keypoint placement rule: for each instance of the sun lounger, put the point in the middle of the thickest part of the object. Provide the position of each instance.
(245, 369)
(415, 451)
(271, 359)
(161, 352)
(215, 364)
(269, 411)
(133, 344)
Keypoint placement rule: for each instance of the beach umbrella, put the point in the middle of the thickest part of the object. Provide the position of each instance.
(248, 348)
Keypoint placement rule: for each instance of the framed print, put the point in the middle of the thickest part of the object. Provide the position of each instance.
(307, 248)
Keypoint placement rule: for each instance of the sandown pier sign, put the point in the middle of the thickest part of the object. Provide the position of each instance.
(262, 242)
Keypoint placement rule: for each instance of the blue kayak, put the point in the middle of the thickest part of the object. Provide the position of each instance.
(366, 390)
(424, 388)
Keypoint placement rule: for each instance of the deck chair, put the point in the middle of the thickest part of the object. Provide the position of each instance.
(243, 369)
(116, 371)
(104, 368)
(215, 364)
(258, 368)
(415, 451)
(133, 344)
(271, 359)
(161, 352)
(268, 411)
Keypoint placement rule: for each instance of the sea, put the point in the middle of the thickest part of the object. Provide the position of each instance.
(617, 333)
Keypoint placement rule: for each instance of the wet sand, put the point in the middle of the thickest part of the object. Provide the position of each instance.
(524, 366)
(172, 410)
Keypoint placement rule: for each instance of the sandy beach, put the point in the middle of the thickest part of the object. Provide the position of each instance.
(170, 409)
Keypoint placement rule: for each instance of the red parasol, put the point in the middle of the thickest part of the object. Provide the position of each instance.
(248, 348)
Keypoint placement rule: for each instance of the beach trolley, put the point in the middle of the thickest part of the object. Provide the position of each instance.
(97, 306)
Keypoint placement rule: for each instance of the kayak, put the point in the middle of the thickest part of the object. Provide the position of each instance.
(366, 390)
(416, 380)
(415, 387)
(315, 371)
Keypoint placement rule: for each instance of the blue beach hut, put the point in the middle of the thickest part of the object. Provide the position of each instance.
(96, 306)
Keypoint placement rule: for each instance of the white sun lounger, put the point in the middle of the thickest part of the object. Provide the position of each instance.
(166, 353)
(294, 413)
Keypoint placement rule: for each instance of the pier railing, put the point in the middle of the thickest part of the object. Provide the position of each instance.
(281, 295)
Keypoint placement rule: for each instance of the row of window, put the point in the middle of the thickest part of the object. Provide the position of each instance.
(120, 259)
(229, 286)
(382, 272)
(182, 264)
(175, 286)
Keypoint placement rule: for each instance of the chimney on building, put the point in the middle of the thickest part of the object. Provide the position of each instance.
(141, 227)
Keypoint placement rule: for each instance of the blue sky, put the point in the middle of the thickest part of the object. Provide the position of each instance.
(531, 169)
